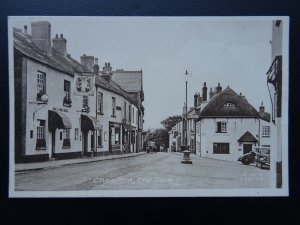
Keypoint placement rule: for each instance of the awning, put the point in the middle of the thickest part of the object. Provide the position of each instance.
(58, 120)
(89, 123)
(247, 137)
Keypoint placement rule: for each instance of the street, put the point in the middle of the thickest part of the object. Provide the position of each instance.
(145, 172)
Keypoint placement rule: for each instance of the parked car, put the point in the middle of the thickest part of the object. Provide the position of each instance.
(263, 158)
(248, 158)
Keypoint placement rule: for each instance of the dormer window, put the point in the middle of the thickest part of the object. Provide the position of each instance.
(229, 104)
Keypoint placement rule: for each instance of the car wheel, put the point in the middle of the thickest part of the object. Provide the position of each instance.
(246, 161)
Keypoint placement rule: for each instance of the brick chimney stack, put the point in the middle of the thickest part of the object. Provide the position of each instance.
(219, 88)
(107, 69)
(195, 99)
(204, 92)
(87, 61)
(96, 67)
(199, 99)
(41, 35)
(262, 108)
(25, 29)
(211, 94)
(184, 108)
(60, 44)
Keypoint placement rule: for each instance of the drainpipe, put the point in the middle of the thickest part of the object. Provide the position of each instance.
(96, 137)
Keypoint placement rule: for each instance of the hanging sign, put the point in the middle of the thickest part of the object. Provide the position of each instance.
(84, 84)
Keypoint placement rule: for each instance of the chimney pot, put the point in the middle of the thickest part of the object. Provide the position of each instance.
(56, 36)
(25, 29)
(61, 36)
(218, 89)
(204, 92)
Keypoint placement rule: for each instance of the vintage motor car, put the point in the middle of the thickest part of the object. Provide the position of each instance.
(248, 158)
(263, 158)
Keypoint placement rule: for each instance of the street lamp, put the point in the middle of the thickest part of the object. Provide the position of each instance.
(186, 76)
(186, 153)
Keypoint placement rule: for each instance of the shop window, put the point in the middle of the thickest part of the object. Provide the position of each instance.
(41, 85)
(67, 90)
(40, 135)
(221, 148)
(221, 127)
(66, 138)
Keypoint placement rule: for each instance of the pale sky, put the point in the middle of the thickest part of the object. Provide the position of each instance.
(232, 51)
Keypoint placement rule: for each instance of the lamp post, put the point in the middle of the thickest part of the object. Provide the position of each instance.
(186, 153)
(186, 76)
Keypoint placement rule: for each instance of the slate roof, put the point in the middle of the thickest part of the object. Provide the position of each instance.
(130, 81)
(68, 65)
(265, 116)
(240, 106)
(23, 44)
(112, 86)
(247, 137)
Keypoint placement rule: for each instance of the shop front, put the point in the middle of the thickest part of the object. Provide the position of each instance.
(58, 121)
(115, 137)
(89, 127)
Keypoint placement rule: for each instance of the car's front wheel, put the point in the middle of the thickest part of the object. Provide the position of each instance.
(246, 161)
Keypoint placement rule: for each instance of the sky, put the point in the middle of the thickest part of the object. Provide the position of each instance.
(233, 51)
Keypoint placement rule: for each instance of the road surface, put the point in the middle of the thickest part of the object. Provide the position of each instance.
(145, 172)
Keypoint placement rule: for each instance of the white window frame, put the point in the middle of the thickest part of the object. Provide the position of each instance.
(41, 82)
(40, 131)
(266, 131)
(223, 127)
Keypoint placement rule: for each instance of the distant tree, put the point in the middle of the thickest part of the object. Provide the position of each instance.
(170, 122)
(159, 136)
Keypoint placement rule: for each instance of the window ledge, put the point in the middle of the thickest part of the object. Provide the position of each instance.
(40, 148)
(66, 147)
(100, 113)
(113, 116)
(99, 146)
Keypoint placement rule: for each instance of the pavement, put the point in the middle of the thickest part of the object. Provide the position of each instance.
(22, 167)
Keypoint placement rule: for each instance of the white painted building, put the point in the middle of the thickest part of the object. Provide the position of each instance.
(46, 118)
(66, 109)
(228, 127)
